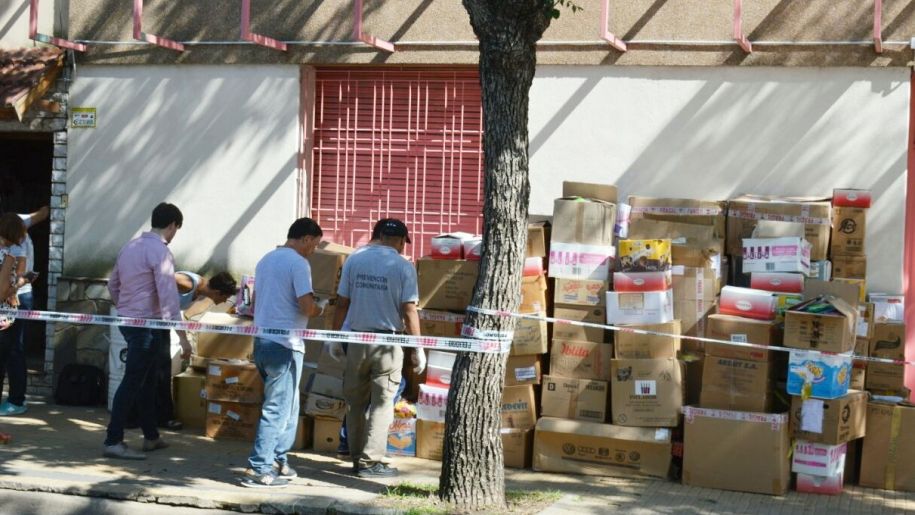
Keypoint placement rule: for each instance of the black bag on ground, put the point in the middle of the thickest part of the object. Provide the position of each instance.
(80, 385)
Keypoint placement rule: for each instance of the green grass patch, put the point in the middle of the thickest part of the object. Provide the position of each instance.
(422, 499)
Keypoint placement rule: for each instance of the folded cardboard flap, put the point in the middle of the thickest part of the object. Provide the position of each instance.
(604, 192)
(637, 434)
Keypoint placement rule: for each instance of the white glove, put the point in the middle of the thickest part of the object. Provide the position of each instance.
(335, 349)
(322, 303)
(419, 361)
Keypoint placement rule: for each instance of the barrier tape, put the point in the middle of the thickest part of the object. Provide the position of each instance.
(749, 214)
(484, 345)
(634, 330)
(671, 210)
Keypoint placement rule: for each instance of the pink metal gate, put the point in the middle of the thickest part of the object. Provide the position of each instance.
(402, 143)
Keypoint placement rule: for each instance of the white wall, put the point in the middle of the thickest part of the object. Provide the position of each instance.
(714, 133)
(220, 142)
(14, 22)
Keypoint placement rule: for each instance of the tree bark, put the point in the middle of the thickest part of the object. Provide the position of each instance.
(472, 465)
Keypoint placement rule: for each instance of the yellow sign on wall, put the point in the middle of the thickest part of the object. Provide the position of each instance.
(83, 117)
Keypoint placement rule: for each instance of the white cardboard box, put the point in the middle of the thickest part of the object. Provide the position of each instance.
(652, 307)
(790, 254)
(432, 403)
(818, 459)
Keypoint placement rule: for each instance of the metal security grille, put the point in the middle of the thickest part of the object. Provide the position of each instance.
(397, 143)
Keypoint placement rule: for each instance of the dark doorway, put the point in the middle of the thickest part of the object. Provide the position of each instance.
(25, 186)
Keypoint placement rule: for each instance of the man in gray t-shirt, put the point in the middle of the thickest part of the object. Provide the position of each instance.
(377, 293)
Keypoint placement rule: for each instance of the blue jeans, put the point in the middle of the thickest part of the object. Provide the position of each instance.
(281, 370)
(15, 355)
(138, 388)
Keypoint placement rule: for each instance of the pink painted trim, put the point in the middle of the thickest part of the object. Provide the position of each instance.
(878, 26)
(138, 33)
(42, 38)
(908, 267)
(605, 33)
(739, 36)
(258, 39)
(359, 35)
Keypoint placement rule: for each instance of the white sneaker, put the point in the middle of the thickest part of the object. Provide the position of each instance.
(121, 451)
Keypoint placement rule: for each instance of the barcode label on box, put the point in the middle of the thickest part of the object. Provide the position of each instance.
(215, 409)
(770, 267)
(234, 416)
(525, 373)
(742, 338)
(214, 370)
(231, 380)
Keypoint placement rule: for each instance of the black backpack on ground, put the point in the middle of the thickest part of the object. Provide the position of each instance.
(80, 385)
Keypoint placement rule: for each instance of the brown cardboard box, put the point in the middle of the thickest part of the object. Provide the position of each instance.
(865, 327)
(849, 267)
(232, 420)
(225, 346)
(604, 192)
(888, 454)
(328, 386)
(593, 314)
(530, 337)
(888, 341)
(736, 384)
(694, 283)
(745, 212)
(739, 329)
(644, 346)
(588, 222)
(580, 292)
(600, 449)
(523, 370)
(190, 399)
(838, 420)
(326, 434)
(825, 332)
(519, 407)
(318, 405)
(692, 315)
(446, 284)
(440, 323)
(533, 295)
(326, 266)
(685, 211)
(580, 399)
(538, 238)
(581, 360)
(858, 379)
(430, 439)
(736, 450)
(517, 447)
(647, 392)
(685, 234)
(885, 377)
(849, 226)
(234, 382)
(303, 433)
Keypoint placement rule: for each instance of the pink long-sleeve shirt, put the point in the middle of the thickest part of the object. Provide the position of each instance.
(142, 283)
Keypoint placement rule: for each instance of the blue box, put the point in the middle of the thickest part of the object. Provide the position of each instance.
(828, 374)
(402, 437)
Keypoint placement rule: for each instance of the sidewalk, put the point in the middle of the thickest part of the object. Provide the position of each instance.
(58, 449)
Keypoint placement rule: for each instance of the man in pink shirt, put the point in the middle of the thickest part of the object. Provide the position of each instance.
(142, 285)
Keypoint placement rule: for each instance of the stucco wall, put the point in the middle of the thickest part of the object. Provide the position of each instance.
(716, 132)
(220, 142)
(14, 22)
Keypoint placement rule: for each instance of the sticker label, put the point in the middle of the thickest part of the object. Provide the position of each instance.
(215, 409)
(214, 370)
(740, 338)
(234, 416)
(812, 416)
(647, 388)
(232, 380)
(525, 373)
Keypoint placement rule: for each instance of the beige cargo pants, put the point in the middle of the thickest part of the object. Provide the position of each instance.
(373, 374)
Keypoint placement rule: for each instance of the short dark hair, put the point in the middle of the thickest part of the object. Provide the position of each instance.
(11, 228)
(304, 227)
(376, 230)
(165, 214)
(224, 283)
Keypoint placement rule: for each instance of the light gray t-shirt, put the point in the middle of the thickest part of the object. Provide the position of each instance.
(281, 277)
(186, 299)
(378, 281)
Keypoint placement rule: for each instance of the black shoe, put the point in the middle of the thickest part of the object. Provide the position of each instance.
(284, 471)
(377, 470)
(173, 425)
(264, 481)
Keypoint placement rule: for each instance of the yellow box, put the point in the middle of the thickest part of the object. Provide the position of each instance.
(644, 255)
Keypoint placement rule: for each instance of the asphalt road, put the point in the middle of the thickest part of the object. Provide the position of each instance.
(13, 502)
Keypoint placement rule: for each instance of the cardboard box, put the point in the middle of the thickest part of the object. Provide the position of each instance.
(831, 422)
(440, 323)
(785, 282)
(823, 485)
(642, 281)
(473, 248)
(791, 254)
(581, 360)
(519, 407)
(685, 211)
(430, 439)
(849, 267)
(695, 283)
(581, 243)
(533, 267)
(402, 437)
(318, 405)
(818, 459)
(601, 449)
(517, 447)
(640, 308)
(593, 315)
(449, 246)
(326, 267)
(523, 370)
(858, 378)
(865, 327)
(328, 386)
(888, 308)
(736, 384)
(693, 315)
(303, 433)
(849, 227)
(827, 376)
(432, 403)
(742, 330)
(530, 337)
(888, 453)
(446, 284)
(784, 302)
(604, 192)
(885, 377)
(580, 292)
(757, 458)
(232, 420)
(850, 197)
(580, 399)
(225, 346)
(538, 238)
(190, 399)
(648, 346)
(533, 295)
(647, 392)
(820, 270)
(747, 303)
(234, 382)
(745, 212)
(644, 255)
(859, 284)
(888, 341)
(438, 367)
(822, 331)
(326, 434)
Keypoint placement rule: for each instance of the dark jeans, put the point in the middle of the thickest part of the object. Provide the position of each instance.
(12, 356)
(165, 406)
(138, 388)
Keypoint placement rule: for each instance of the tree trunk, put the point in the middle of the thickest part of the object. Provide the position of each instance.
(472, 465)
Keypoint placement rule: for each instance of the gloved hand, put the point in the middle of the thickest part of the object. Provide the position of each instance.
(335, 349)
(322, 304)
(419, 361)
